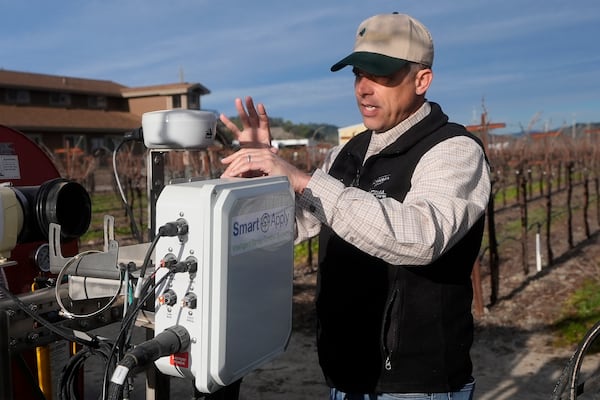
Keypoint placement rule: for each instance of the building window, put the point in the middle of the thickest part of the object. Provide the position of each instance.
(193, 101)
(176, 99)
(60, 99)
(97, 101)
(98, 143)
(17, 96)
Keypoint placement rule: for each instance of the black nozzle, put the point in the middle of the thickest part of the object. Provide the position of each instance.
(58, 201)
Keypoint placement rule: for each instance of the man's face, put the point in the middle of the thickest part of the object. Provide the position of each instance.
(385, 101)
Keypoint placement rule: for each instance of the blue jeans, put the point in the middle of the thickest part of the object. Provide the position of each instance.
(464, 393)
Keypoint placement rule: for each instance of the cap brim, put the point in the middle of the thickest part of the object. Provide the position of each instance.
(372, 63)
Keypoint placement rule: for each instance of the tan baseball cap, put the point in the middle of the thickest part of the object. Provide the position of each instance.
(385, 42)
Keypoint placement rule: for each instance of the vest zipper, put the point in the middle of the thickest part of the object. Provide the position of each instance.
(389, 329)
(388, 362)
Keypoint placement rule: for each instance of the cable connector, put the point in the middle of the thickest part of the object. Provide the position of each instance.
(172, 340)
(136, 135)
(169, 261)
(190, 265)
(175, 228)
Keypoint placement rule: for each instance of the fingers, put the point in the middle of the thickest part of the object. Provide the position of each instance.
(248, 114)
(244, 116)
(260, 162)
(252, 114)
(239, 106)
(244, 161)
(262, 111)
(230, 125)
(255, 131)
(263, 118)
(256, 116)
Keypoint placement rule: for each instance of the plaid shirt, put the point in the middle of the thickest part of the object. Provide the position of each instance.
(450, 188)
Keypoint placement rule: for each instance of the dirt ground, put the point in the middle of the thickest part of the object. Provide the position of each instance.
(513, 354)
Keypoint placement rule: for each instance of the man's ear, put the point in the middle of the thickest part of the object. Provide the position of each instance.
(423, 80)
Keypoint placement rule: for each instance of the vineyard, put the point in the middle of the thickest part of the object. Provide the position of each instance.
(545, 203)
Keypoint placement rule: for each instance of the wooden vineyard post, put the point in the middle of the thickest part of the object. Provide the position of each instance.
(477, 292)
(522, 186)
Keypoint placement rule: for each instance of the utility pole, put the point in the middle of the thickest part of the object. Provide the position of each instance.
(484, 128)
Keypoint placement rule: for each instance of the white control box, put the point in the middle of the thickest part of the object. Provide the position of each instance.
(237, 307)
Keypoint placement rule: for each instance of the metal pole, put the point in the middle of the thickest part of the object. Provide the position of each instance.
(157, 384)
(538, 252)
(5, 358)
(156, 183)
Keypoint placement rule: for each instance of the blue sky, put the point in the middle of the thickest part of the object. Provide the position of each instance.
(520, 58)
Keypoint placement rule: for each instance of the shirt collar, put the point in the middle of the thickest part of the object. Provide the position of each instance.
(388, 137)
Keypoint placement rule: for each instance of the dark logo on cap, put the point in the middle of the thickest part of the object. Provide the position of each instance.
(362, 32)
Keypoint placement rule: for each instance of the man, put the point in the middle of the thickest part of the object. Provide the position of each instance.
(400, 215)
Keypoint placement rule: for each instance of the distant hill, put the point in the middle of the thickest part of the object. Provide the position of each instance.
(577, 131)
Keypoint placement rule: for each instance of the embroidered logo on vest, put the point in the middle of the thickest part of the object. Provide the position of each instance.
(380, 180)
(379, 193)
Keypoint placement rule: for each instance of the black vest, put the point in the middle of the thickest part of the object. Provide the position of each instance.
(388, 328)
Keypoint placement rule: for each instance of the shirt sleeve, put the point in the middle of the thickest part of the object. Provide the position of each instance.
(307, 224)
(450, 189)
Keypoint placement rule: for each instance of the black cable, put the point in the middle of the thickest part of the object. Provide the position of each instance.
(174, 228)
(134, 135)
(62, 333)
(68, 381)
(127, 323)
(146, 261)
(170, 341)
(123, 336)
(136, 304)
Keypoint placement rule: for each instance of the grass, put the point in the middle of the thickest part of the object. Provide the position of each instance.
(109, 203)
(301, 251)
(581, 311)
